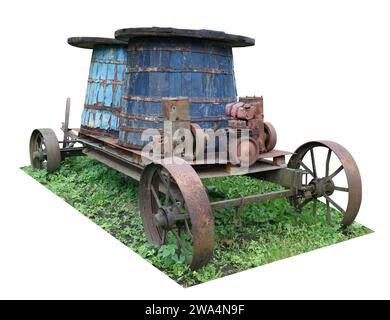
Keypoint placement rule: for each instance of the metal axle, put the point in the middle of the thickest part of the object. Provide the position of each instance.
(251, 199)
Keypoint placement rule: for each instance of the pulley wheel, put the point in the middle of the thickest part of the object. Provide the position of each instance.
(270, 136)
(251, 154)
(44, 150)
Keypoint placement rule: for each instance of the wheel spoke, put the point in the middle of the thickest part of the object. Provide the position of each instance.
(336, 172)
(313, 163)
(37, 163)
(39, 141)
(328, 217)
(188, 229)
(303, 203)
(178, 245)
(341, 189)
(328, 162)
(168, 192)
(314, 209)
(155, 195)
(161, 234)
(37, 145)
(186, 224)
(162, 178)
(182, 245)
(306, 168)
(334, 204)
(36, 155)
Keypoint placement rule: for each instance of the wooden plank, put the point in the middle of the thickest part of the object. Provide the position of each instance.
(92, 42)
(215, 171)
(217, 36)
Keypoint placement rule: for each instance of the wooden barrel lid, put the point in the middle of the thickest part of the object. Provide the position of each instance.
(92, 42)
(219, 36)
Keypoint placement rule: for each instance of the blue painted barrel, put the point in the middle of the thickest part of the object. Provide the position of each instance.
(105, 81)
(175, 65)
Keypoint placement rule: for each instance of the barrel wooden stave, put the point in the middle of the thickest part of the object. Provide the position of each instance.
(104, 90)
(156, 68)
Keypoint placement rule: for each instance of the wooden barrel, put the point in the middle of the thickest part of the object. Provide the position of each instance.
(104, 90)
(176, 63)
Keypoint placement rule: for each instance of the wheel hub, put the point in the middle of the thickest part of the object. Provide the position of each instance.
(322, 186)
(39, 155)
(165, 218)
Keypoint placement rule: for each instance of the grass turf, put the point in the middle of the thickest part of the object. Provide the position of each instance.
(270, 231)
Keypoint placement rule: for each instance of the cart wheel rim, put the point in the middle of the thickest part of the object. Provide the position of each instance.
(186, 216)
(321, 182)
(44, 150)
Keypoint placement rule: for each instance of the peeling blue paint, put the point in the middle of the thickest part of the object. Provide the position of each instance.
(104, 90)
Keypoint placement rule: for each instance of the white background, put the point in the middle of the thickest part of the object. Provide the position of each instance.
(324, 71)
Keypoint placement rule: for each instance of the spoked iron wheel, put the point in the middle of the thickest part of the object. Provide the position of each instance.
(338, 178)
(44, 150)
(174, 205)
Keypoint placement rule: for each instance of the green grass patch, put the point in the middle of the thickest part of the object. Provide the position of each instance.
(270, 231)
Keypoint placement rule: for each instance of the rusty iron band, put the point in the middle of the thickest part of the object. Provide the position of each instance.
(165, 69)
(140, 117)
(124, 62)
(191, 100)
(211, 119)
(105, 81)
(114, 110)
(180, 49)
(131, 129)
(97, 131)
(161, 119)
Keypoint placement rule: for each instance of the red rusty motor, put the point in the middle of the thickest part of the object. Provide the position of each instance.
(247, 113)
(241, 110)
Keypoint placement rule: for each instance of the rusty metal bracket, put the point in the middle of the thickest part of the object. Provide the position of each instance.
(289, 178)
(69, 136)
(65, 125)
(176, 113)
(176, 109)
(71, 152)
